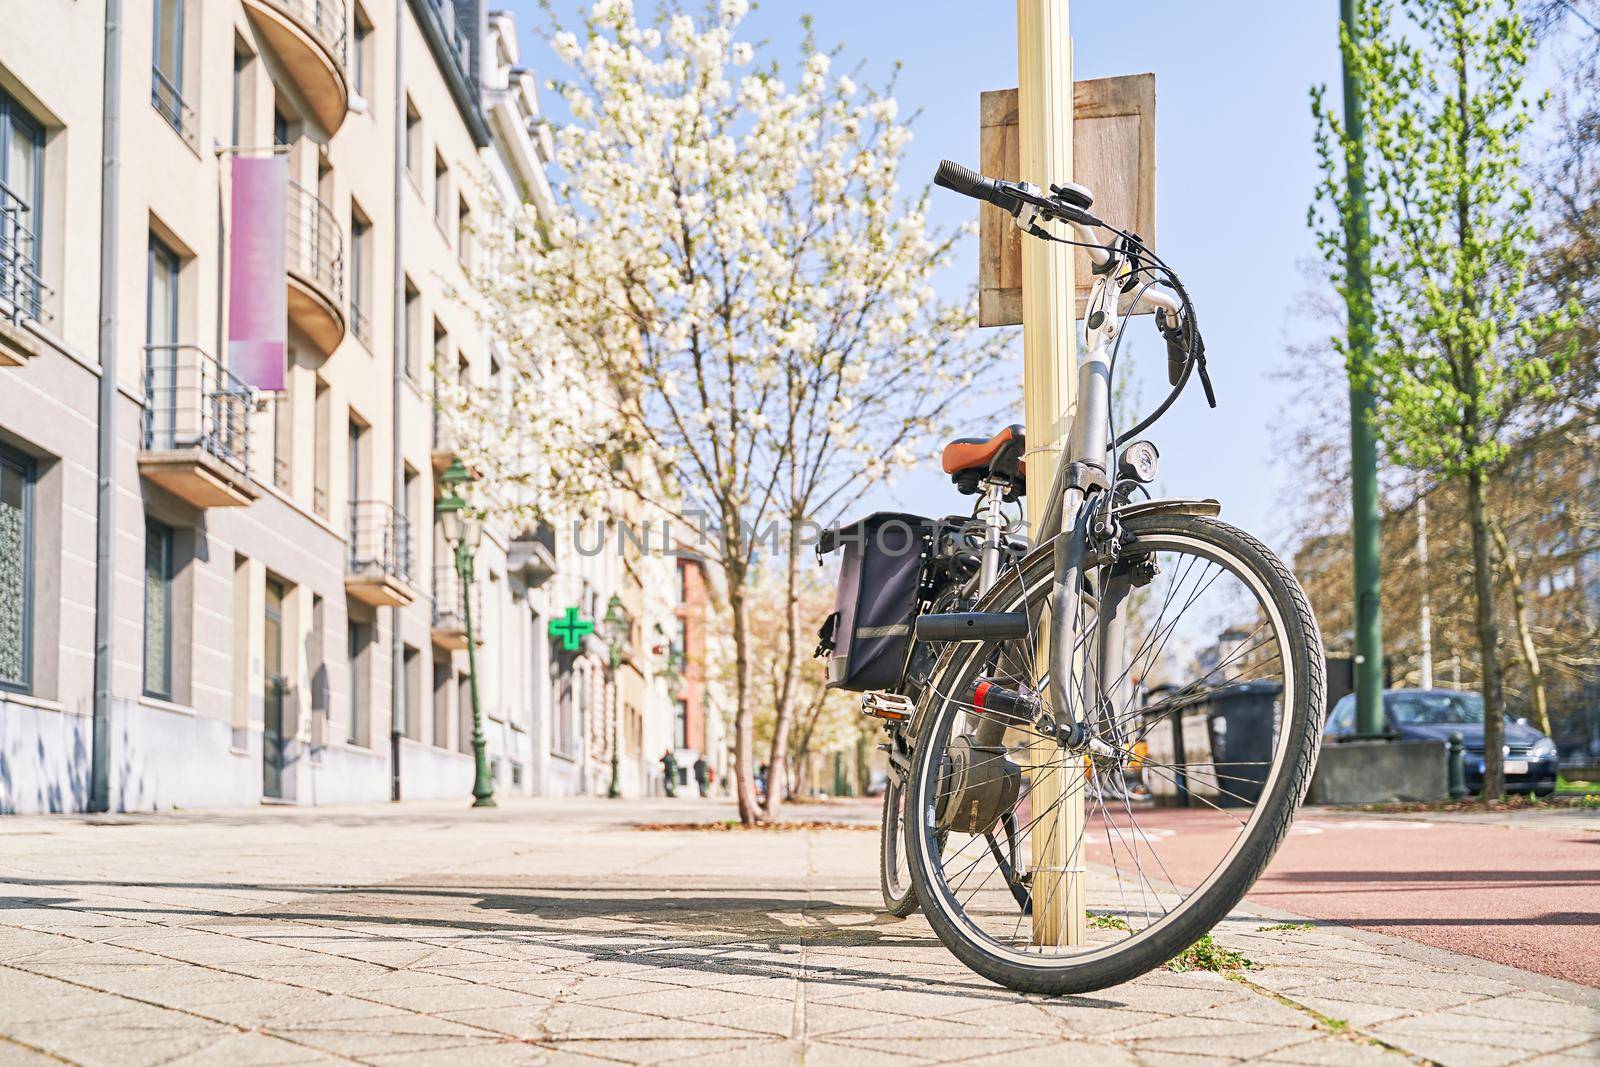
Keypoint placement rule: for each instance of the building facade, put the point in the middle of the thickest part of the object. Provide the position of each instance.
(213, 595)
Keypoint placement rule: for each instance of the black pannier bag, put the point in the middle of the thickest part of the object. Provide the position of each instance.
(866, 637)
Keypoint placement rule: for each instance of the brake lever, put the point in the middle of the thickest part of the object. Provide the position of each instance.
(1200, 365)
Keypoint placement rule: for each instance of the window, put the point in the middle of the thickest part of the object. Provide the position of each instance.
(157, 610)
(241, 85)
(21, 200)
(464, 233)
(356, 635)
(567, 702)
(464, 712)
(441, 193)
(280, 128)
(283, 436)
(317, 663)
(16, 570)
(413, 139)
(161, 298)
(277, 729)
(441, 700)
(413, 332)
(361, 276)
(680, 724)
(161, 343)
(362, 55)
(166, 77)
(410, 503)
(412, 720)
(357, 447)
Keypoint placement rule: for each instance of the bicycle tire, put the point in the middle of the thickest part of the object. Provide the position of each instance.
(1227, 885)
(899, 897)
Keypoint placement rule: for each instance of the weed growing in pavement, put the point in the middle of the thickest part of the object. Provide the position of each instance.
(1284, 926)
(1107, 922)
(1206, 955)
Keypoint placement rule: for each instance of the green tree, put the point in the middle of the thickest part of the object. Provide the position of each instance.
(1457, 349)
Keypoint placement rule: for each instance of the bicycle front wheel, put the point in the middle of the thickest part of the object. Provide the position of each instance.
(1199, 673)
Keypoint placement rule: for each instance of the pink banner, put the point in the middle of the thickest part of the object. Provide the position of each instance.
(258, 311)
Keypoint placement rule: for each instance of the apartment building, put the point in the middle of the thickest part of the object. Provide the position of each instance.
(214, 592)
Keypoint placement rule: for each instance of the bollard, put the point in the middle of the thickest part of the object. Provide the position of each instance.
(1458, 769)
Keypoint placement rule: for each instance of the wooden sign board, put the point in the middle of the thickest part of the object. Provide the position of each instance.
(1114, 156)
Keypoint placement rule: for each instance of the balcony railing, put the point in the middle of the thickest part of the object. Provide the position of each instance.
(380, 541)
(168, 100)
(314, 243)
(20, 287)
(360, 324)
(449, 603)
(326, 19)
(192, 401)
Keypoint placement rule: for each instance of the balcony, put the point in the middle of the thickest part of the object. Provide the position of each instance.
(196, 434)
(166, 98)
(312, 38)
(532, 555)
(449, 609)
(20, 288)
(379, 562)
(314, 247)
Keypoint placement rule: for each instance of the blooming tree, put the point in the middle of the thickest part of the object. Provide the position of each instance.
(734, 293)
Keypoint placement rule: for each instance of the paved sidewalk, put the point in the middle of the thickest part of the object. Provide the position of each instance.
(551, 931)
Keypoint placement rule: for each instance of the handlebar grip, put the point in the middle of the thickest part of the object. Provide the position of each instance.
(961, 179)
(970, 183)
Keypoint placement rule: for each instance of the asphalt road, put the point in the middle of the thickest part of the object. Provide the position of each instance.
(1521, 889)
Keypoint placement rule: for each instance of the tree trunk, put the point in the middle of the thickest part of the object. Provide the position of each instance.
(743, 718)
(1519, 609)
(777, 763)
(1483, 568)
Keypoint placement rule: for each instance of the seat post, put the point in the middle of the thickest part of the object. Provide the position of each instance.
(994, 491)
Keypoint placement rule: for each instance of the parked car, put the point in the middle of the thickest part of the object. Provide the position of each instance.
(1434, 714)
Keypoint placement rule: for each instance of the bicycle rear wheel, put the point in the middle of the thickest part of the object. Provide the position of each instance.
(894, 871)
(1218, 707)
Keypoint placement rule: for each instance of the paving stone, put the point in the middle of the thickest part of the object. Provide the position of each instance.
(14, 1055)
(1333, 1051)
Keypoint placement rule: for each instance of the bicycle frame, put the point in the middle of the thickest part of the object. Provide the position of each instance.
(1071, 508)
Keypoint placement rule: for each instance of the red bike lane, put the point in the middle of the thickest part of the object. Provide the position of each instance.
(1524, 893)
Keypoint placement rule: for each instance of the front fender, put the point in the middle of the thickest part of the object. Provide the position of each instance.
(1176, 506)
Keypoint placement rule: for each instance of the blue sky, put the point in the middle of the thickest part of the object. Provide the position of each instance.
(1235, 174)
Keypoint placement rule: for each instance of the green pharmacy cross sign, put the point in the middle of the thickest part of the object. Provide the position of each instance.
(571, 629)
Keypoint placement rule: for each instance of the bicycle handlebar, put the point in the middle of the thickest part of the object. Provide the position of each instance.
(1185, 349)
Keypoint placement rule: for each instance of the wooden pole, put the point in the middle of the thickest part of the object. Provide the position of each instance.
(1049, 379)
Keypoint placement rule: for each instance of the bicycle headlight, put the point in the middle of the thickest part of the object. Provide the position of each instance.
(1138, 463)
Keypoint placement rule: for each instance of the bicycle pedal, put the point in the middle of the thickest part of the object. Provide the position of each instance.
(891, 706)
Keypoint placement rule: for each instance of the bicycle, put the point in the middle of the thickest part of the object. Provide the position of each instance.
(1140, 637)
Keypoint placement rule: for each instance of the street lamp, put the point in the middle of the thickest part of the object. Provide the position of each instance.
(464, 533)
(616, 631)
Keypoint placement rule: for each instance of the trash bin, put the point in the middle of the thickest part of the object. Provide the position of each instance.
(1242, 723)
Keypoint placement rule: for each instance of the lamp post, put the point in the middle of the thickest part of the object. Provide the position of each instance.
(616, 630)
(463, 534)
